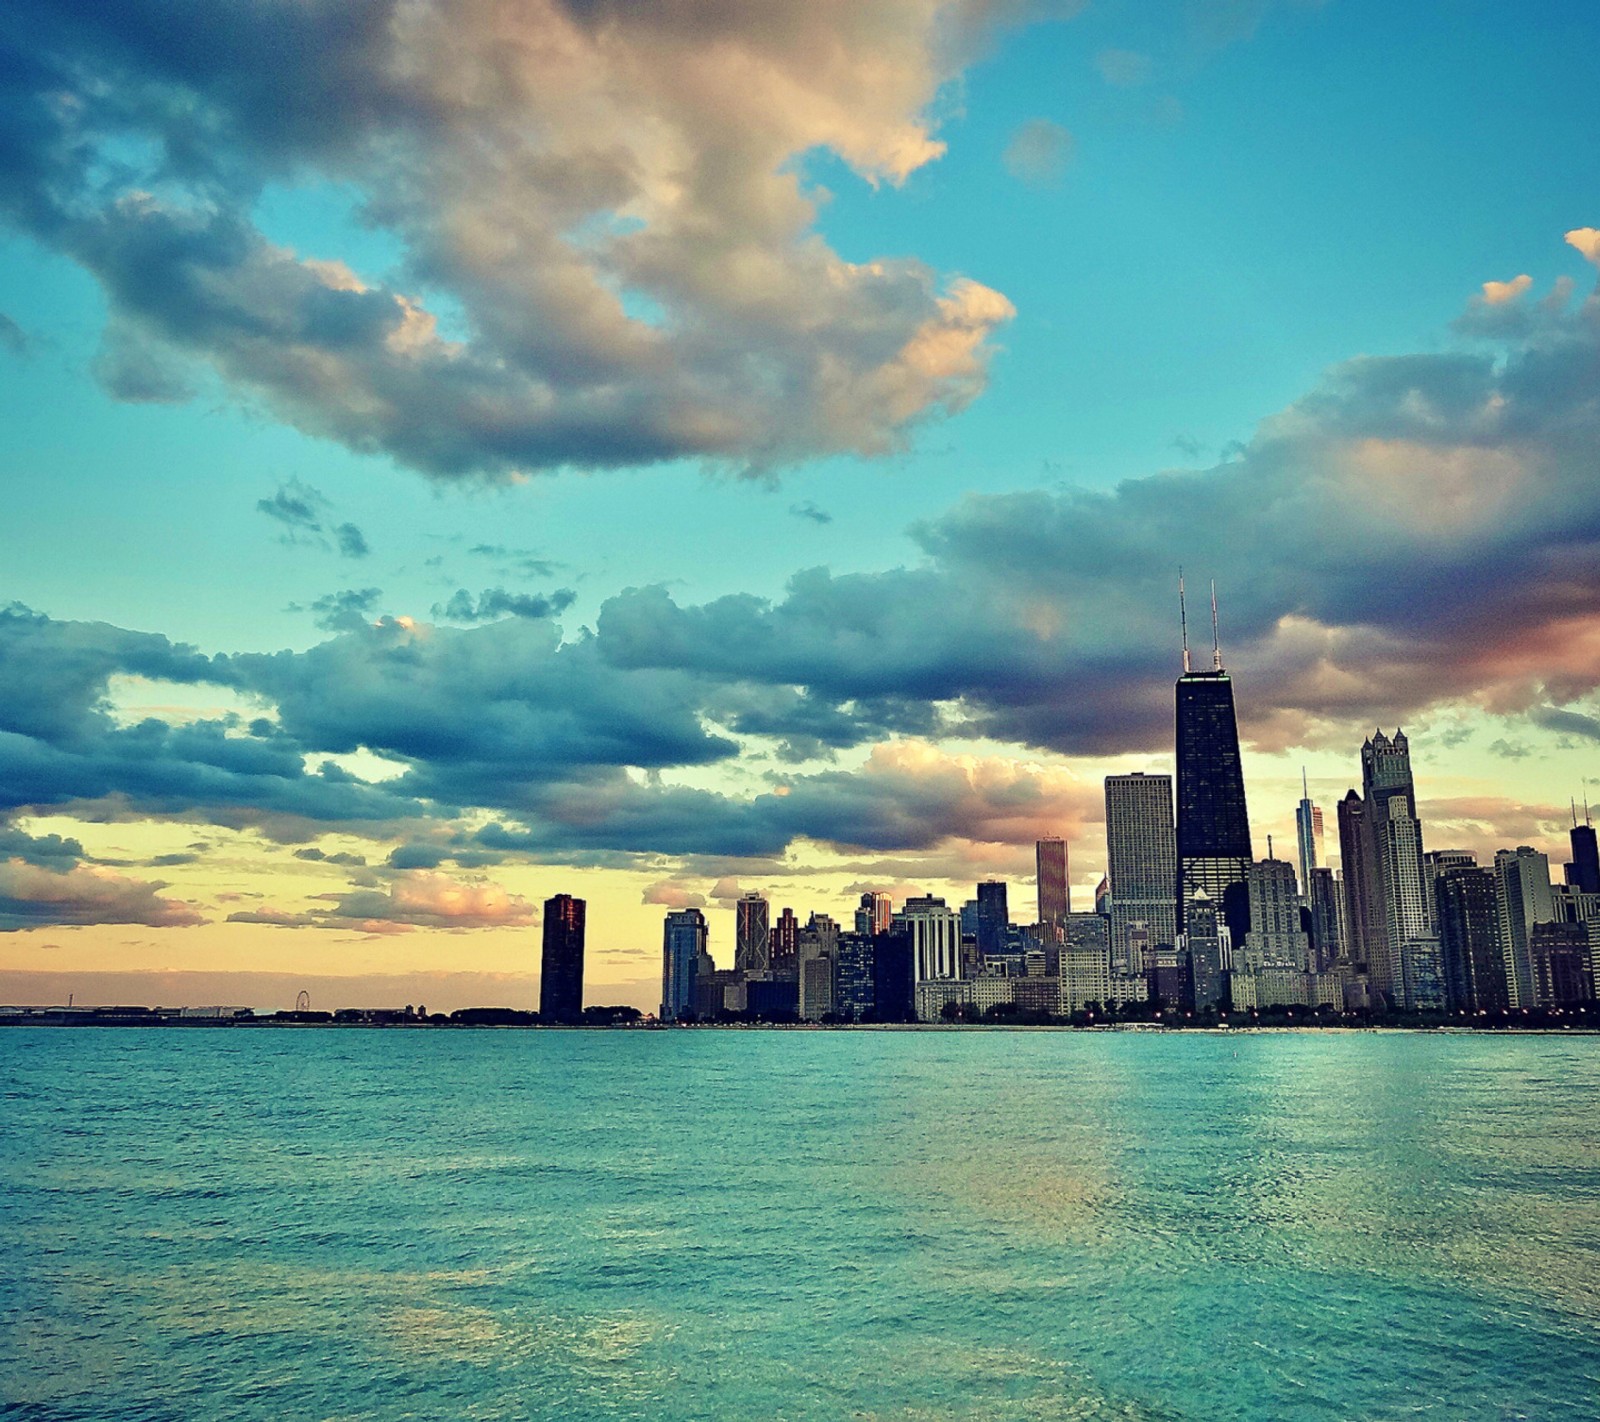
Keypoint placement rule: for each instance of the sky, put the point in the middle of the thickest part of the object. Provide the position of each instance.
(456, 454)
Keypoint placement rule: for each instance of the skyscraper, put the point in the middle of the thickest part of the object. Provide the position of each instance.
(683, 945)
(994, 916)
(1327, 919)
(1213, 824)
(935, 933)
(1523, 874)
(1275, 935)
(1142, 864)
(1050, 865)
(1202, 937)
(783, 939)
(752, 942)
(1402, 949)
(1467, 909)
(561, 965)
(1308, 828)
(874, 913)
(1363, 897)
(1585, 874)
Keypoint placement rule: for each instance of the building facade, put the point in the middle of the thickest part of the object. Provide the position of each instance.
(1142, 865)
(561, 963)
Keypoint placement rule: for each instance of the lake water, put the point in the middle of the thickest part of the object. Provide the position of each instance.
(997, 1225)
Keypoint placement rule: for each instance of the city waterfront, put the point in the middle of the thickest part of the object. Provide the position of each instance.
(985, 1224)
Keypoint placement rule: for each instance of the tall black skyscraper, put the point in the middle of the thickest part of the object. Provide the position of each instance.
(1585, 873)
(1213, 825)
(561, 968)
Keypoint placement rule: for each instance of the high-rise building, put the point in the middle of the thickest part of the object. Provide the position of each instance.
(1275, 935)
(1142, 864)
(782, 942)
(816, 957)
(1203, 939)
(1213, 836)
(1562, 975)
(935, 933)
(1585, 871)
(1055, 902)
(1403, 962)
(561, 964)
(893, 976)
(853, 996)
(1467, 909)
(1308, 830)
(1363, 898)
(1525, 900)
(683, 947)
(752, 939)
(994, 917)
(874, 914)
(1327, 919)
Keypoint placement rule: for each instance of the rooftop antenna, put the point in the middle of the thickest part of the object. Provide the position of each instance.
(1216, 645)
(1305, 785)
(1183, 621)
(1270, 854)
(1574, 805)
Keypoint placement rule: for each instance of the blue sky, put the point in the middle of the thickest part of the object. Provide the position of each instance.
(1230, 201)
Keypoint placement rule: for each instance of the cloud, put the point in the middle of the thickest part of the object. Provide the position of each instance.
(1497, 293)
(1417, 534)
(302, 511)
(495, 603)
(38, 896)
(1039, 152)
(673, 895)
(1123, 68)
(1587, 241)
(12, 337)
(611, 198)
(133, 367)
(809, 510)
(418, 899)
(1571, 723)
(346, 610)
(298, 507)
(51, 851)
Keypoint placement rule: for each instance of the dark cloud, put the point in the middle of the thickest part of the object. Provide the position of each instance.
(12, 337)
(808, 510)
(298, 507)
(352, 542)
(620, 224)
(495, 603)
(318, 856)
(349, 609)
(1570, 723)
(49, 850)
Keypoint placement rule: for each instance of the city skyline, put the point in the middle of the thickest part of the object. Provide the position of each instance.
(762, 475)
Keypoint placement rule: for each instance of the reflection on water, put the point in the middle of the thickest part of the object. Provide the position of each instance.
(799, 1225)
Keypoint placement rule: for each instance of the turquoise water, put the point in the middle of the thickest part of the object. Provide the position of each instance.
(345, 1223)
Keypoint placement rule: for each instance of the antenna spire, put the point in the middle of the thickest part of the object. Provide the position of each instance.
(1183, 621)
(1216, 645)
(1305, 785)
